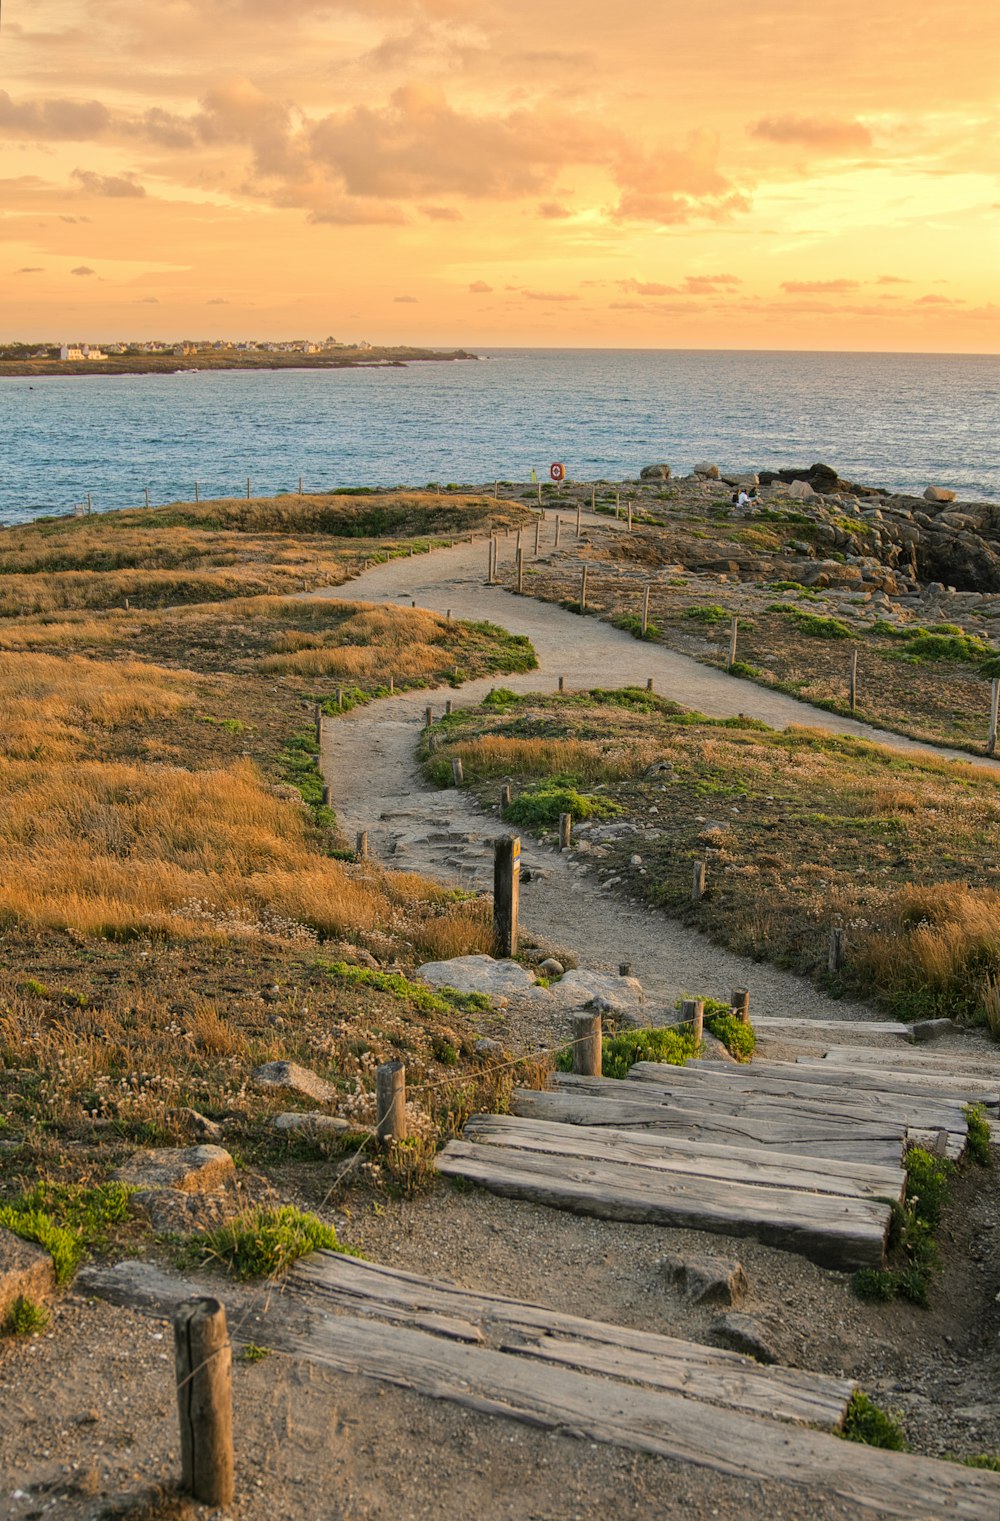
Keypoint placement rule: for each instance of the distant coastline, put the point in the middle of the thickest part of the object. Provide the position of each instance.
(173, 364)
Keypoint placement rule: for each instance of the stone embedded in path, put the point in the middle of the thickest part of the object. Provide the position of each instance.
(932, 1029)
(25, 1269)
(311, 1124)
(198, 1126)
(187, 1169)
(582, 988)
(291, 1078)
(482, 974)
(705, 1280)
(743, 1333)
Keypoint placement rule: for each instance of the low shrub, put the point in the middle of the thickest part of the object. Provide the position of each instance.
(866, 1422)
(812, 624)
(708, 612)
(540, 805)
(25, 1317)
(672, 1044)
(264, 1243)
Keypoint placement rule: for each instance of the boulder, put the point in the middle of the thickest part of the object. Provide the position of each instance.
(481, 974)
(706, 470)
(291, 1078)
(311, 1124)
(581, 989)
(800, 491)
(932, 1029)
(743, 1333)
(188, 1169)
(939, 494)
(550, 967)
(199, 1126)
(654, 473)
(705, 1280)
(25, 1270)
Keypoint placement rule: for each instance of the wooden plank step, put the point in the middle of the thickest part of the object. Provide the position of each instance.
(790, 1024)
(643, 1420)
(810, 1087)
(637, 1107)
(857, 1075)
(741, 1164)
(727, 1379)
(833, 1231)
(951, 1064)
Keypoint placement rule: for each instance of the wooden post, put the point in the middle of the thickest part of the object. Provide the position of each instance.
(90, 505)
(447, 706)
(506, 894)
(853, 693)
(618, 505)
(300, 485)
(991, 742)
(204, 1368)
(505, 796)
(538, 529)
(645, 610)
(624, 968)
(390, 1101)
(562, 683)
(496, 491)
(520, 570)
(734, 624)
(147, 496)
(558, 527)
(739, 1002)
(326, 795)
(630, 514)
(838, 946)
(361, 845)
(125, 603)
(565, 830)
(489, 562)
(457, 773)
(428, 717)
(579, 509)
(248, 488)
(340, 697)
(392, 685)
(593, 498)
(649, 683)
(539, 493)
(698, 881)
(693, 1013)
(587, 1045)
(583, 590)
(196, 497)
(318, 720)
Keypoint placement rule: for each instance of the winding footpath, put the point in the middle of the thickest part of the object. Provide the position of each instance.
(369, 762)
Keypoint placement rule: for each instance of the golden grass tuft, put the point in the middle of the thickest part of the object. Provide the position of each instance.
(366, 643)
(935, 950)
(588, 760)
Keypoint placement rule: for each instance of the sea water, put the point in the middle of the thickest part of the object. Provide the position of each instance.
(904, 421)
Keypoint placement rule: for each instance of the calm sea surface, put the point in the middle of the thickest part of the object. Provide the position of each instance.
(904, 421)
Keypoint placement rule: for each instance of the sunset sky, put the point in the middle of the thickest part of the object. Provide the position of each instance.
(796, 174)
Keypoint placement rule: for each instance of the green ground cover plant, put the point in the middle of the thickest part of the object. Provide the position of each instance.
(868, 1423)
(264, 1243)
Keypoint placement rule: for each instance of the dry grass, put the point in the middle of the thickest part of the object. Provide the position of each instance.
(365, 642)
(936, 950)
(589, 760)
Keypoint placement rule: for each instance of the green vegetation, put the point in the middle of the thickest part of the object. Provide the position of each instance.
(674, 1044)
(539, 805)
(631, 623)
(740, 1040)
(911, 1236)
(866, 1422)
(708, 612)
(417, 994)
(25, 1318)
(251, 1353)
(987, 1460)
(978, 1145)
(264, 1243)
(812, 624)
(299, 762)
(66, 1219)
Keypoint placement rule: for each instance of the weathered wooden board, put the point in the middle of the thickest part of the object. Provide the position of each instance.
(858, 1075)
(635, 1106)
(741, 1164)
(809, 1086)
(831, 1230)
(847, 1027)
(645, 1420)
(642, 1357)
(954, 1066)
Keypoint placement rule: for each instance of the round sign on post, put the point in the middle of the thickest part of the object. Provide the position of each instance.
(557, 472)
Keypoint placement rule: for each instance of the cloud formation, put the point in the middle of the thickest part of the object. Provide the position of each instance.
(117, 186)
(822, 134)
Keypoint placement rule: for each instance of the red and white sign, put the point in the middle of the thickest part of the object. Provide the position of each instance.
(557, 472)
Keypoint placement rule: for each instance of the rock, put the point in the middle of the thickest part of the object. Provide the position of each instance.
(271, 993)
(188, 1169)
(800, 491)
(705, 1280)
(932, 1029)
(582, 988)
(654, 473)
(742, 1333)
(939, 494)
(486, 1047)
(480, 974)
(25, 1269)
(550, 967)
(635, 860)
(316, 1124)
(197, 1125)
(707, 471)
(291, 1078)
(744, 482)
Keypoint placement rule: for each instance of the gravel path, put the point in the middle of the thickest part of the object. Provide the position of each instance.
(369, 762)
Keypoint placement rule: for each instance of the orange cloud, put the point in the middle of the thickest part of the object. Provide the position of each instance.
(818, 287)
(114, 185)
(823, 134)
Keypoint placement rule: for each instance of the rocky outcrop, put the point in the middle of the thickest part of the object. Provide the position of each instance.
(654, 473)
(938, 494)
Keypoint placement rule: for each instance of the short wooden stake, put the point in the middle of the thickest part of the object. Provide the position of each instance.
(447, 706)
(428, 717)
(630, 514)
(340, 697)
(991, 741)
(390, 1101)
(147, 496)
(300, 485)
(538, 529)
(539, 493)
(838, 947)
(204, 1368)
(618, 505)
(361, 845)
(496, 490)
(645, 610)
(505, 796)
(520, 570)
(579, 510)
(125, 603)
(698, 880)
(457, 773)
(565, 830)
(693, 1013)
(196, 497)
(392, 686)
(854, 680)
(318, 721)
(624, 968)
(506, 894)
(326, 795)
(558, 527)
(649, 683)
(90, 505)
(562, 683)
(587, 1045)
(248, 488)
(734, 624)
(593, 498)
(583, 590)
(739, 1002)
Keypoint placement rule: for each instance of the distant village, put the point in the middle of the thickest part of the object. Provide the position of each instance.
(188, 349)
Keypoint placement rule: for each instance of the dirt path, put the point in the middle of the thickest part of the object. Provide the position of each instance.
(369, 762)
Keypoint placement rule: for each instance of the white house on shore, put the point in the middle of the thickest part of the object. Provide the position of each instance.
(81, 351)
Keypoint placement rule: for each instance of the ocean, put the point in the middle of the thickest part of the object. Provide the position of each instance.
(904, 421)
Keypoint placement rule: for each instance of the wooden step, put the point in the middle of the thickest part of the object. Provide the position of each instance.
(832, 1230)
(826, 1029)
(727, 1379)
(857, 1074)
(954, 1066)
(602, 1102)
(771, 1169)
